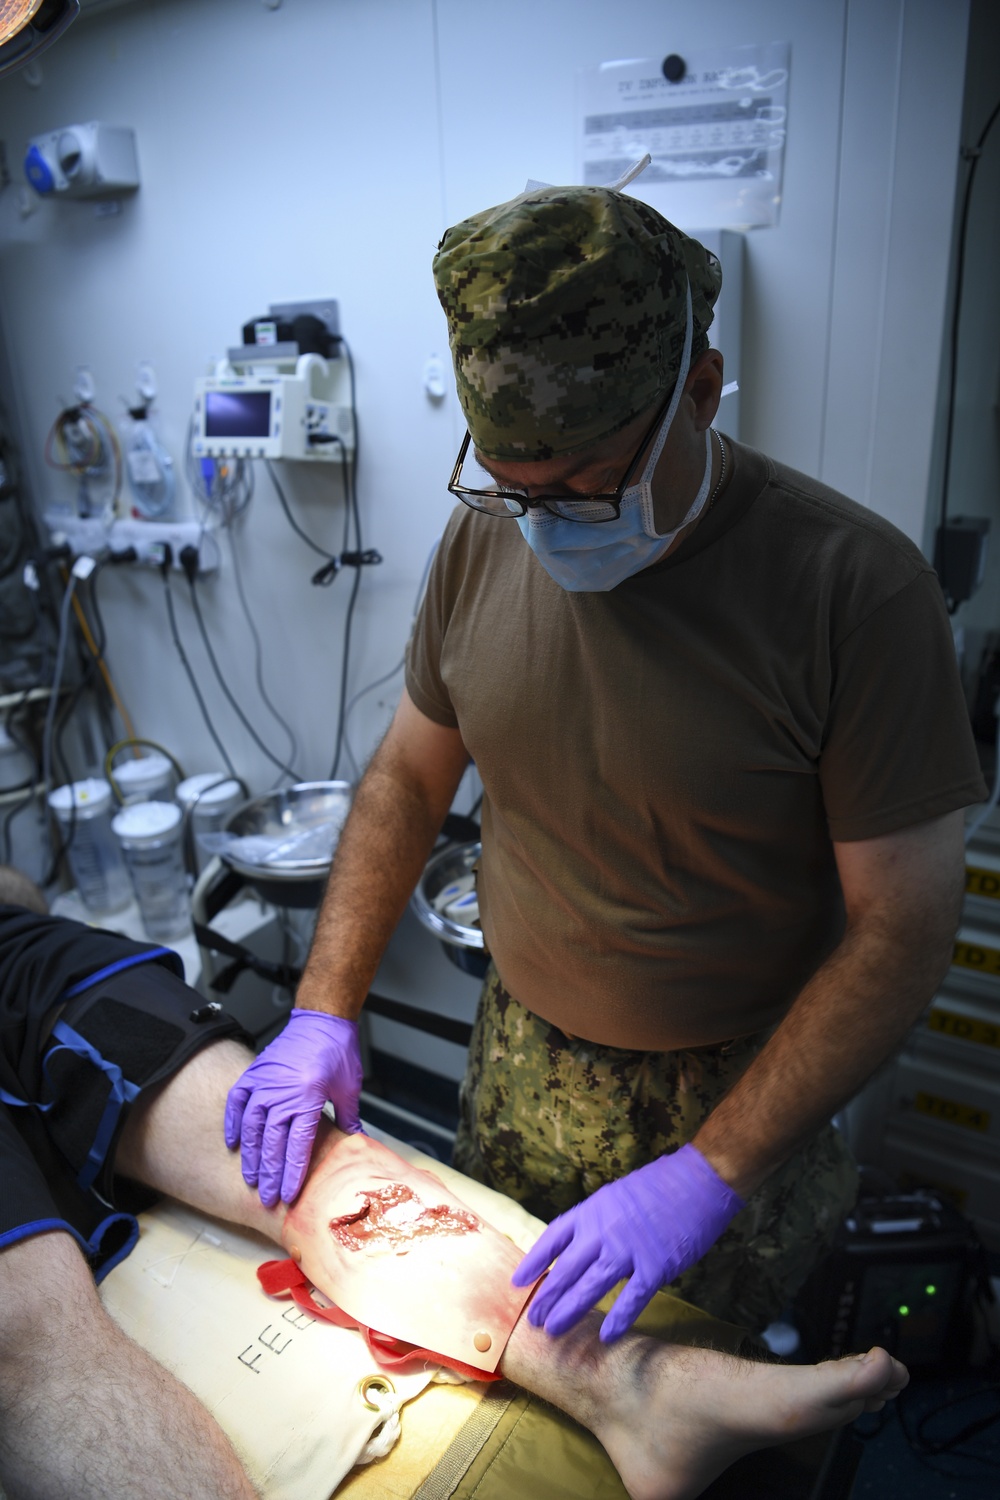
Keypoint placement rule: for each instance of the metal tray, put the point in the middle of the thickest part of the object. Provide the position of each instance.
(297, 809)
(454, 861)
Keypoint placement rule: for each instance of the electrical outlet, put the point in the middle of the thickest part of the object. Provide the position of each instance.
(90, 535)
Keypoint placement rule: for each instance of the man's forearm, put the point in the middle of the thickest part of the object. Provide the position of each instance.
(382, 851)
(850, 1016)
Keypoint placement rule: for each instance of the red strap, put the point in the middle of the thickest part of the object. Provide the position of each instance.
(283, 1278)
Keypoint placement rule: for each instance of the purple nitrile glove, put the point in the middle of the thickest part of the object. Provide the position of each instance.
(274, 1108)
(648, 1226)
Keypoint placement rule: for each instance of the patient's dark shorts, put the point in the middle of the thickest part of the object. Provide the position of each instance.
(73, 1058)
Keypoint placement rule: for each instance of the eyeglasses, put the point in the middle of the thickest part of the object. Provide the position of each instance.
(505, 501)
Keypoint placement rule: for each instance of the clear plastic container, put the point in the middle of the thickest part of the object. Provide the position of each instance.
(150, 837)
(146, 778)
(83, 810)
(210, 799)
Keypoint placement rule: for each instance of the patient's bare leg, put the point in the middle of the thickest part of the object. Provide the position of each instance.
(85, 1414)
(172, 1141)
(670, 1417)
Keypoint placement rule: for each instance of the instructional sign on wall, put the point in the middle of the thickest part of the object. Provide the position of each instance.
(716, 137)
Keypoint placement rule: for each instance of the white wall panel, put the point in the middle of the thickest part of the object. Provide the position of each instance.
(509, 107)
(283, 154)
(320, 149)
(903, 78)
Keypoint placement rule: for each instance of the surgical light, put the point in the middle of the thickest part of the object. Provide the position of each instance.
(27, 27)
(14, 14)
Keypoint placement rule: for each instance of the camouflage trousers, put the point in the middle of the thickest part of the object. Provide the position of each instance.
(548, 1119)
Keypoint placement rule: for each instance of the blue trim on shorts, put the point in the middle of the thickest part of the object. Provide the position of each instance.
(89, 1247)
(117, 967)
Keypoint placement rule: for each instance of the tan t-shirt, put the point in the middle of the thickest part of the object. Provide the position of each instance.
(666, 765)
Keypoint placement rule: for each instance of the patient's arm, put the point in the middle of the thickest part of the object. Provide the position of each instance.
(394, 1248)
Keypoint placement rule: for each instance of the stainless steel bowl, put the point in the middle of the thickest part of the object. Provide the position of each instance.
(464, 945)
(311, 805)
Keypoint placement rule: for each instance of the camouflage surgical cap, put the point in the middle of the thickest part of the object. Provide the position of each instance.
(566, 314)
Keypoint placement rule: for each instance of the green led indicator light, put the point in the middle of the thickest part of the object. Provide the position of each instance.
(930, 1290)
(904, 1311)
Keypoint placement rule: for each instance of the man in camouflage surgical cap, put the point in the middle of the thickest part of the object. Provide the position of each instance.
(724, 752)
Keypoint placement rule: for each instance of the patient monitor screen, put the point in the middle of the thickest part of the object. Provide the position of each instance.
(237, 414)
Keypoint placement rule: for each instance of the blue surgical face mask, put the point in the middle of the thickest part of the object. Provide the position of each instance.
(596, 557)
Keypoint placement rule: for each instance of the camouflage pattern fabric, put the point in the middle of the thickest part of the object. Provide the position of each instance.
(548, 1119)
(566, 314)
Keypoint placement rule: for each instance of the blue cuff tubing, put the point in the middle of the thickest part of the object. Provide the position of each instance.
(6, 1098)
(120, 1092)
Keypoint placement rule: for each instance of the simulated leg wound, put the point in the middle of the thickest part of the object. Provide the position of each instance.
(399, 1252)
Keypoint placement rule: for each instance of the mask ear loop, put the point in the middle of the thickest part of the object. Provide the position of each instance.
(646, 495)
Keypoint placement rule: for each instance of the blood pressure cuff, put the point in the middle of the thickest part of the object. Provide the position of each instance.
(66, 1098)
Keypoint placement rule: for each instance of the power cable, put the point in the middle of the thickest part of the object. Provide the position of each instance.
(972, 155)
(98, 645)
(50, 713)
(65, 716)
(350, 476)
(94, 663)
(346, 654)
(62, 841)
(9, 816)
(191, 571)
(29, 788)
(222, 486)
(132, 741)
(940, 1454)
(356, 558)
(331, 557)
(388, 676)
(178, 643)
(293, 743)
(12, 538)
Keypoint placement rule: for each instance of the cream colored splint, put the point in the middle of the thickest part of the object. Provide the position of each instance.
(285, 1387)
(289, 1390)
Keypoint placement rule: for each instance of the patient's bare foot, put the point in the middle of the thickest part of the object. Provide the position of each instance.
(672, 1418)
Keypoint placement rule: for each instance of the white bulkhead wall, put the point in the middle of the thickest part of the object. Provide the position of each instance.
(319, 149)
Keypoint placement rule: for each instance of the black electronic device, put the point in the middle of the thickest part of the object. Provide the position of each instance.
(312, 334)
(903, 1272)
